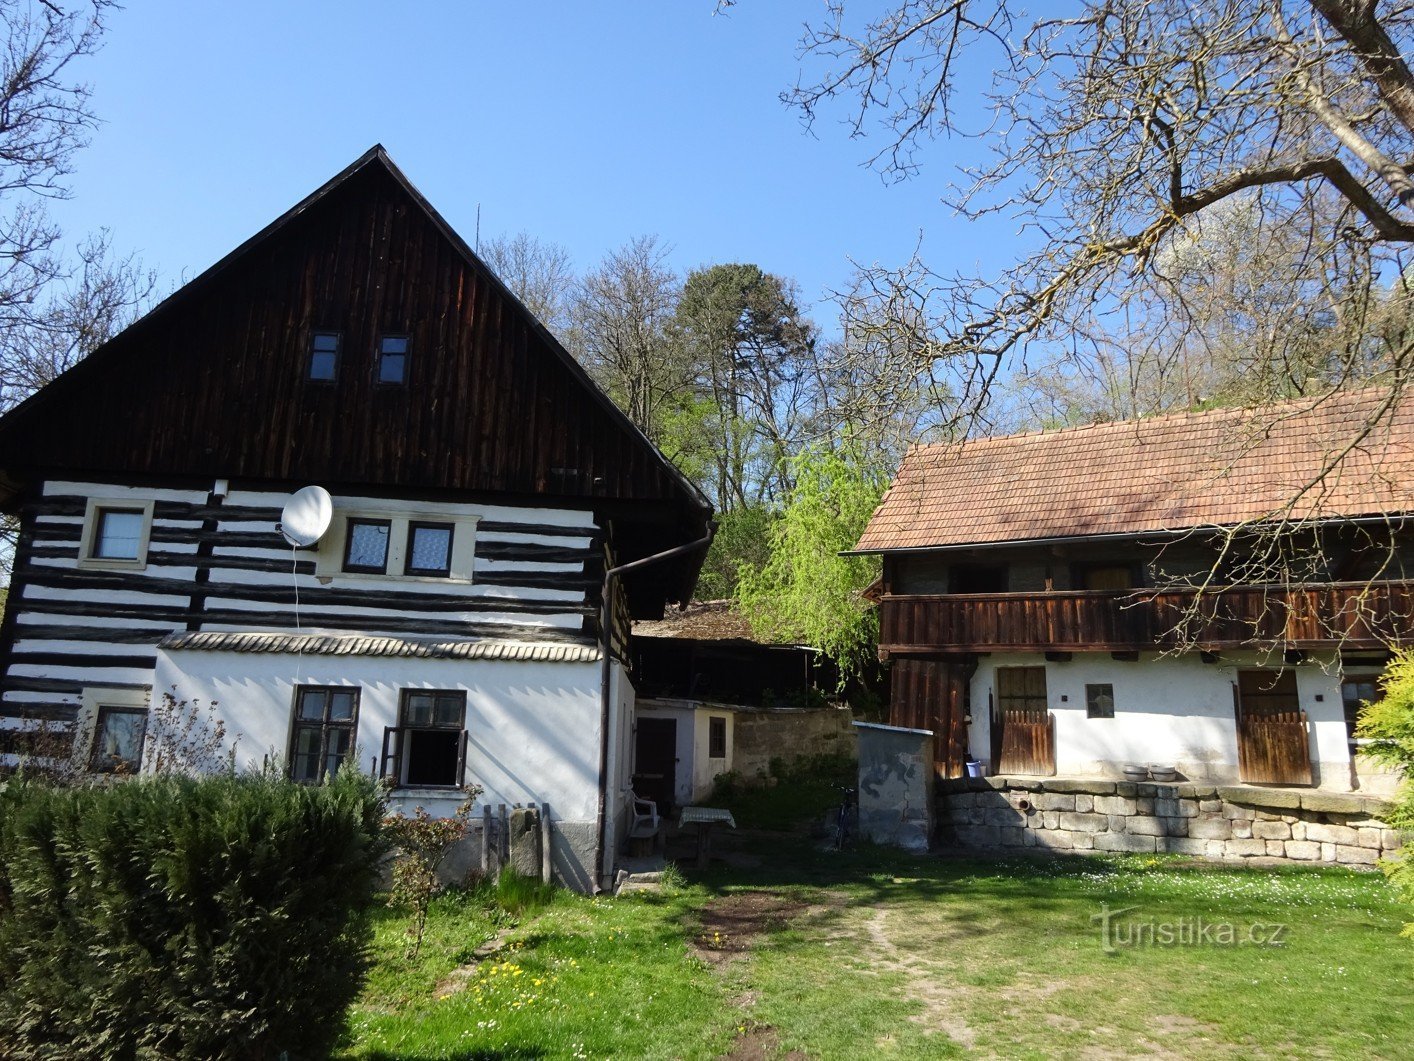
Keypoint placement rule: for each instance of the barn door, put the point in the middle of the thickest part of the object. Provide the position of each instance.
(932, 693)
(1023, 730)
(1273, 741)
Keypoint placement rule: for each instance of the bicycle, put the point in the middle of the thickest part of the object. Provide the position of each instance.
(848, 802)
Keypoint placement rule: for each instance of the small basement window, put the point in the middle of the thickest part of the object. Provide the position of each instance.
(429, 549)
(117, 739)
(323, 356)
(326, 719)
(366, 549)
(392, 359)
(428, 747)
(716, 737)
(1100, 701)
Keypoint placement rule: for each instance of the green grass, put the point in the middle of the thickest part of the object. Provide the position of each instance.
(877, 954)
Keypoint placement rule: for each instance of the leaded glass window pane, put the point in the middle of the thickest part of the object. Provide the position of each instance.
(367, 546)
(429, 548)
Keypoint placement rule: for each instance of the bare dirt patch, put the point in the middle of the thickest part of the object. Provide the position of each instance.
(733, 924)
(758, 1043)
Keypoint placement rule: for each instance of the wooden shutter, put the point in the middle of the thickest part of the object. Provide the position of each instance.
(461, 761)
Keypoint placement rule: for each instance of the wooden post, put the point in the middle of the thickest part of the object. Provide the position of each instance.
(503, 853)
(546, 864)
(486, 840)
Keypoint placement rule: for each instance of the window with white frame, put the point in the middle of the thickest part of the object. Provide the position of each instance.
(415, 540)
(115, 533)
(427, 748)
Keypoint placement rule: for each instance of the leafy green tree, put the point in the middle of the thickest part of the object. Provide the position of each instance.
(1388, 726)
(806, 591)
(742, 539)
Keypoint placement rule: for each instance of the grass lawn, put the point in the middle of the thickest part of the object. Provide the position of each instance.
(876, 954)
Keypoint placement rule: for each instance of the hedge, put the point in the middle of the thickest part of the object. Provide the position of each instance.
(181, 917)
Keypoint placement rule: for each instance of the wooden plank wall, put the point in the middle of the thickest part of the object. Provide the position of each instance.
(220, 564)
(933, 694)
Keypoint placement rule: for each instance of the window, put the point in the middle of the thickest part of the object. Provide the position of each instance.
(427, 749)
(117, 739)
(1356, 691)
(393, 359)
(429, 549)
(116, 533)
(323, 356)
(326, 718)
(977, 578)
(367, 545)
(1099, 701)
(716, 737)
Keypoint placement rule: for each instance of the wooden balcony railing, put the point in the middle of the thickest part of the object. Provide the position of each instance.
(1346, 614)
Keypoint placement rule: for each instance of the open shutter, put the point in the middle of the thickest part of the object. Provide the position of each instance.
(461, 761)
(392, 745)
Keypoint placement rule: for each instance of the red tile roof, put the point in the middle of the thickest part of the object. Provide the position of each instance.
(1216, 468)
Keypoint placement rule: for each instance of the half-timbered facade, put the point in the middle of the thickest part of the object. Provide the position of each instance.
(445, 630)
(1211, 593)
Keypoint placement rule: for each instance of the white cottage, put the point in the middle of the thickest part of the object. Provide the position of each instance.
(496, 524)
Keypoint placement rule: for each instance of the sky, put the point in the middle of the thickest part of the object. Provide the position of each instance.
(584, 124)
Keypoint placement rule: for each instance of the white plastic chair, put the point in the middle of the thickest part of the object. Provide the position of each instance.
(643, 816)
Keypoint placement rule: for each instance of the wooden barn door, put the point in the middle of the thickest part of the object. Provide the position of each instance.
(1273, 743)
(1023, 731)
(931, 693)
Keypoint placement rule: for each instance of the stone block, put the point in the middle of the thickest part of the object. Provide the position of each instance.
(1025, 784)
(1084, 823)
(524, 837)
(1210, 806)
(1210, 828)
(1028, 837)
(1303, 850)
(1372, 838)
(1146, 790)
(959, 799)
(1376, 807)
(1260, 815)
(1084, 803)
(1050, 819)
(1333, 834)
(1327, 852)
(1175, 826)
(1114, 805)
(1246, 848)
(1188, 808)
(1276, 848)
(1205, 791)
(1117, 823)
(1001, 816)
(1242, 830)
(1215, 849)
(1144, 805)
(1332, 803)
(1165, 807)
(1298, 830)
(1237, 813)
(1185, 791)
(1123, 842)
(1055, 801)
(1011, 836)
(1126, 788)
(979, 836)
(1181, 845)
(1355, 856)
(1082, 841)
(1103, 788)
(1271, 830)
(1140, 825)
(1390, 839)
(1054, 839)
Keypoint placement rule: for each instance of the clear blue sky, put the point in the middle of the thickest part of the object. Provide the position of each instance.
(581, 123)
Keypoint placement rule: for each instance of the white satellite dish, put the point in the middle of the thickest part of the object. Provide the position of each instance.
(306, 516)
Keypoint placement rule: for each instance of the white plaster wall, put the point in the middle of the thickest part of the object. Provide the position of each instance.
(532, 728)
(1169, 710)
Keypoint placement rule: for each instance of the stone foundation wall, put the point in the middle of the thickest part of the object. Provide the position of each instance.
(789, 734)
(1208, 821)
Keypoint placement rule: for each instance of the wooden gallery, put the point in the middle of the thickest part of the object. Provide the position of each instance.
(471, 526)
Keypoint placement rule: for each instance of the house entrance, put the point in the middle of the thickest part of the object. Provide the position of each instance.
(655, 759)
(1023, 729)
(1273, 741)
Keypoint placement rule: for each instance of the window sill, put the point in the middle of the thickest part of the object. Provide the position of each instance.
(440, 791)
(98, 563)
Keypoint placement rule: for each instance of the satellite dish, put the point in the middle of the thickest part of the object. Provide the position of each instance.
(306, 516)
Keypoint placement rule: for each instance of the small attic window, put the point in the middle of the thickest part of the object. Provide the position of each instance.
(393, 359)
(323, 356)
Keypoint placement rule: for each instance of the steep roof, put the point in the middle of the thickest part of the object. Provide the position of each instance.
(1164, 473)
(211, 383)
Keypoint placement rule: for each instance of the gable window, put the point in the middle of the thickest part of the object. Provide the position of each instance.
(1100, 701)
(322, 737)
(716, 737)
(429, 549)
(427, 749)
(117, 739)
(393, 359)
(116, 533)
(367, 546)
(323, 356)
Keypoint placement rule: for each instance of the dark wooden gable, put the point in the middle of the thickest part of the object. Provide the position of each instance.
(213, 382)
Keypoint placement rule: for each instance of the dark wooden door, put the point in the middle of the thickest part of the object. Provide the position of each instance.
(932, 693)
(1273, 733)
(655, 760)
(1023, 730)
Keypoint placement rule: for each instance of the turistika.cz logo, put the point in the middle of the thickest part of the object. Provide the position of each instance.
(1118, 929)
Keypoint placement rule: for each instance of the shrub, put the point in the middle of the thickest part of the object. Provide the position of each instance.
(421, 844)
(184, 917)
(1388, 725)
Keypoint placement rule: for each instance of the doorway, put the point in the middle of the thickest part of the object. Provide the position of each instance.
(655, 758)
